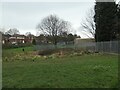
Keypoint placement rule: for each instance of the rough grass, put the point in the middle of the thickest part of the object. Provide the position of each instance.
(12, 52)
(86, 71)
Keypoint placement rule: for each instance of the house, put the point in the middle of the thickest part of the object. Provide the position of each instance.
(5, 39)
(29, 38)
(16, 39)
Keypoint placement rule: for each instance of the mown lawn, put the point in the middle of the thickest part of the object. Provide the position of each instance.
(86, 71)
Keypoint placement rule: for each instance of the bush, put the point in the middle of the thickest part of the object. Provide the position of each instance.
(34, 42)
(65, 51)
(45, 52)
(57, 50)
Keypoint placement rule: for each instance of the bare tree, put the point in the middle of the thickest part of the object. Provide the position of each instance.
(53, 26)
(88, 24)
(12, 31)
(28, 33)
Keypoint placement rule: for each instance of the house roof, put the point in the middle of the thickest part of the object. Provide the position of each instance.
(18, 35)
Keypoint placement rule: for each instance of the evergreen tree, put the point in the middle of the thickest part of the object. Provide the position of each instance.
(34, 42)
(118, 22)
(105, 21)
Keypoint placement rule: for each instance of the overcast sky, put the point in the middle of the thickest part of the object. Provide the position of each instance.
(26, 15)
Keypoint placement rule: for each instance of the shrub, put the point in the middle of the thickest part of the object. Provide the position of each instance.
(45, 52)
(34, 42)
(64, 51)
(56, 50)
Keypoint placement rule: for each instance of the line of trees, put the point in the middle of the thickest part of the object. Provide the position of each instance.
(63, 39)
(13, 31)
(10, 31)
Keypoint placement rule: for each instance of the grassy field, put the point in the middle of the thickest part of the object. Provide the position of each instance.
(86, 71)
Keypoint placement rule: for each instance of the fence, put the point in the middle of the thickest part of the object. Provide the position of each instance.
(108, 46)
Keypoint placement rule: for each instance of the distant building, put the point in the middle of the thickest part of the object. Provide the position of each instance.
(17, 39)
(84, 42)
(5, 39)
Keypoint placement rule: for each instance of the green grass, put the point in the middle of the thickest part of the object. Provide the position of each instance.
(13, 51)
(87, 71)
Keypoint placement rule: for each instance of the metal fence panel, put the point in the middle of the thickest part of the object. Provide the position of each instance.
(108, 46)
